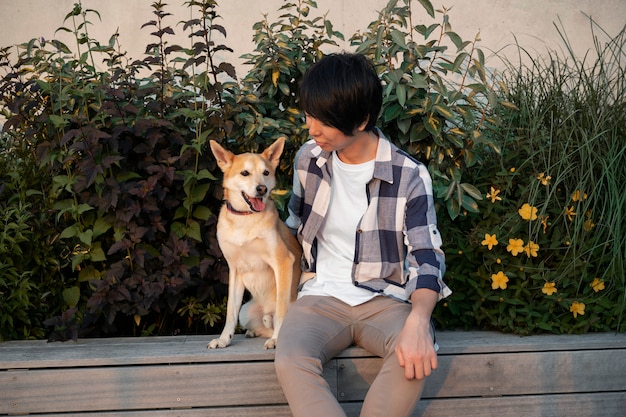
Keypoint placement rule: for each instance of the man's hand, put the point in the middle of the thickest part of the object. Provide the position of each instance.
(415, 348)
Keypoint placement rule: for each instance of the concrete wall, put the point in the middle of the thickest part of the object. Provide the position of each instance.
(499, 22)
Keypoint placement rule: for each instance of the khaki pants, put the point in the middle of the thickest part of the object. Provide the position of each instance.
(316, 329)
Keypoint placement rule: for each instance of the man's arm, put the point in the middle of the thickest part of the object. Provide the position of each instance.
(415, 346)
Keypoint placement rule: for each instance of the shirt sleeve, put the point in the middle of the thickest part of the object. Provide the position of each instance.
(294, 206)
(425, 258)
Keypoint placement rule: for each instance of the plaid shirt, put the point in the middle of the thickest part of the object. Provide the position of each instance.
(398, 246)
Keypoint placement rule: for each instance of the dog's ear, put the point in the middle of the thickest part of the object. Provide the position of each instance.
(274, 151)
(224, 157)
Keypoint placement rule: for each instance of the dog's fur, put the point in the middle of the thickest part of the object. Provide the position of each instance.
(262, 254)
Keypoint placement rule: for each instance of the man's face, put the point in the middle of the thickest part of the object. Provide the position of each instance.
(327, 137)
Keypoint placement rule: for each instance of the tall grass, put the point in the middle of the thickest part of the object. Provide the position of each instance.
(571, 126)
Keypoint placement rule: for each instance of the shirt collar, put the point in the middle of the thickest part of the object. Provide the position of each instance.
(383, 168)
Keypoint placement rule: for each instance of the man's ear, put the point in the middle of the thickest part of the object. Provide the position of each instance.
(362, 126)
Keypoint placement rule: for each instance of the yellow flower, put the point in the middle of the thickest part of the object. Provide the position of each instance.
(579, 196)
(493, 195)
(531, 249)
(528, 212)
(570, 213)
(515, 246)
(499, 280)
(490, 241)
(549, 288)
(512, 169)
(597, 284)
(588, 224)
(577, 308)
(545, 179)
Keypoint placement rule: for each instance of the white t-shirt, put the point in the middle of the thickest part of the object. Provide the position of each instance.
(336, 238)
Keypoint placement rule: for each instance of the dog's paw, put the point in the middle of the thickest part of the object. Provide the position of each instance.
(217, 343)
(250, 334)
(270, 344)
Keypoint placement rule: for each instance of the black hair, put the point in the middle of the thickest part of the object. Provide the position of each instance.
(342, 90)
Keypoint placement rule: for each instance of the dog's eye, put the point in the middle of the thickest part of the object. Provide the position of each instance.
(266, 173)
(245, 173)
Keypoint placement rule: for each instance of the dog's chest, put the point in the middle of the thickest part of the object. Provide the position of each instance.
(246, 250)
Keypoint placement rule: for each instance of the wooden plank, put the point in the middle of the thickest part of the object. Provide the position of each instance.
(128, 351)
(256, 411)
(494, 342)
(142, 387)
(501, 374)
(192, 349)
(579, 405)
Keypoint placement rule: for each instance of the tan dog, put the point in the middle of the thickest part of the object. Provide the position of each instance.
(262, 254)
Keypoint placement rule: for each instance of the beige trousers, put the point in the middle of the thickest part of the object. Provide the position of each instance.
(318, 328)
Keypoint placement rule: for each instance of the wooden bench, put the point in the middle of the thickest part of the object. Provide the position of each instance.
(479, 374)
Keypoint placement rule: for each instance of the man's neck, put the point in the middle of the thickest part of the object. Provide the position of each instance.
(363, 149)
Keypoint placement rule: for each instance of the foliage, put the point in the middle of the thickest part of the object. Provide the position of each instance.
(553, 220)
(284, 50)
(109, 197)
(123, 148)
(30, 265)
(437, 105)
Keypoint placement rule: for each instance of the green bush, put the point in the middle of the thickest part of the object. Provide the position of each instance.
(109, 196)
(548, 250)
(30, 264)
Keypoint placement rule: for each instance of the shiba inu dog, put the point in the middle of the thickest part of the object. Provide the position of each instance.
(262, 254)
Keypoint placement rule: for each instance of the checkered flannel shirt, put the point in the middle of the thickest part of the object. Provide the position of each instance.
(398, 245)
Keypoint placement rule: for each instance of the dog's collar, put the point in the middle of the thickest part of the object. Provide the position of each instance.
(235, 211)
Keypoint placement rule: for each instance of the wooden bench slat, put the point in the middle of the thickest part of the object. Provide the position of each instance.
(192, 349)
(579, 405)
(501, 374)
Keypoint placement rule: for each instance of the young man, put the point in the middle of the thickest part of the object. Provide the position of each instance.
(364, 214)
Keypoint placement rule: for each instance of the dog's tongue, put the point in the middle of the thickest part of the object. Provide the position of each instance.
(257, 204)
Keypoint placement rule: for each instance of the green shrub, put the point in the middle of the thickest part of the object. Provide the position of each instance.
(438, 98)
(132, 193)
(30, 264)
(109, 196)
(555, 204)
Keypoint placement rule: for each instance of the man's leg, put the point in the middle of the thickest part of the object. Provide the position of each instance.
(315, 330)
(391, 394)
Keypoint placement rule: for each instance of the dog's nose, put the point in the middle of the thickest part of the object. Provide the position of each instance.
(261, 189)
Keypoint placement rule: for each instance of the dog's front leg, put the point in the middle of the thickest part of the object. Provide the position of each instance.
(283, 273)
(236, 290)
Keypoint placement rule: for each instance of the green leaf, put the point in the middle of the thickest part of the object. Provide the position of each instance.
(178, 229)
(401, 94)
(202, 213)
(70, 231)
(469, 204)
(71, 296)
(88, 273)
(97, 254)
(444, 110)
(399, 38)
(472, 191)
(100, 227)
(193, 231)
(205, 174)
(456, 40)
(86, 237)
(427, 5)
